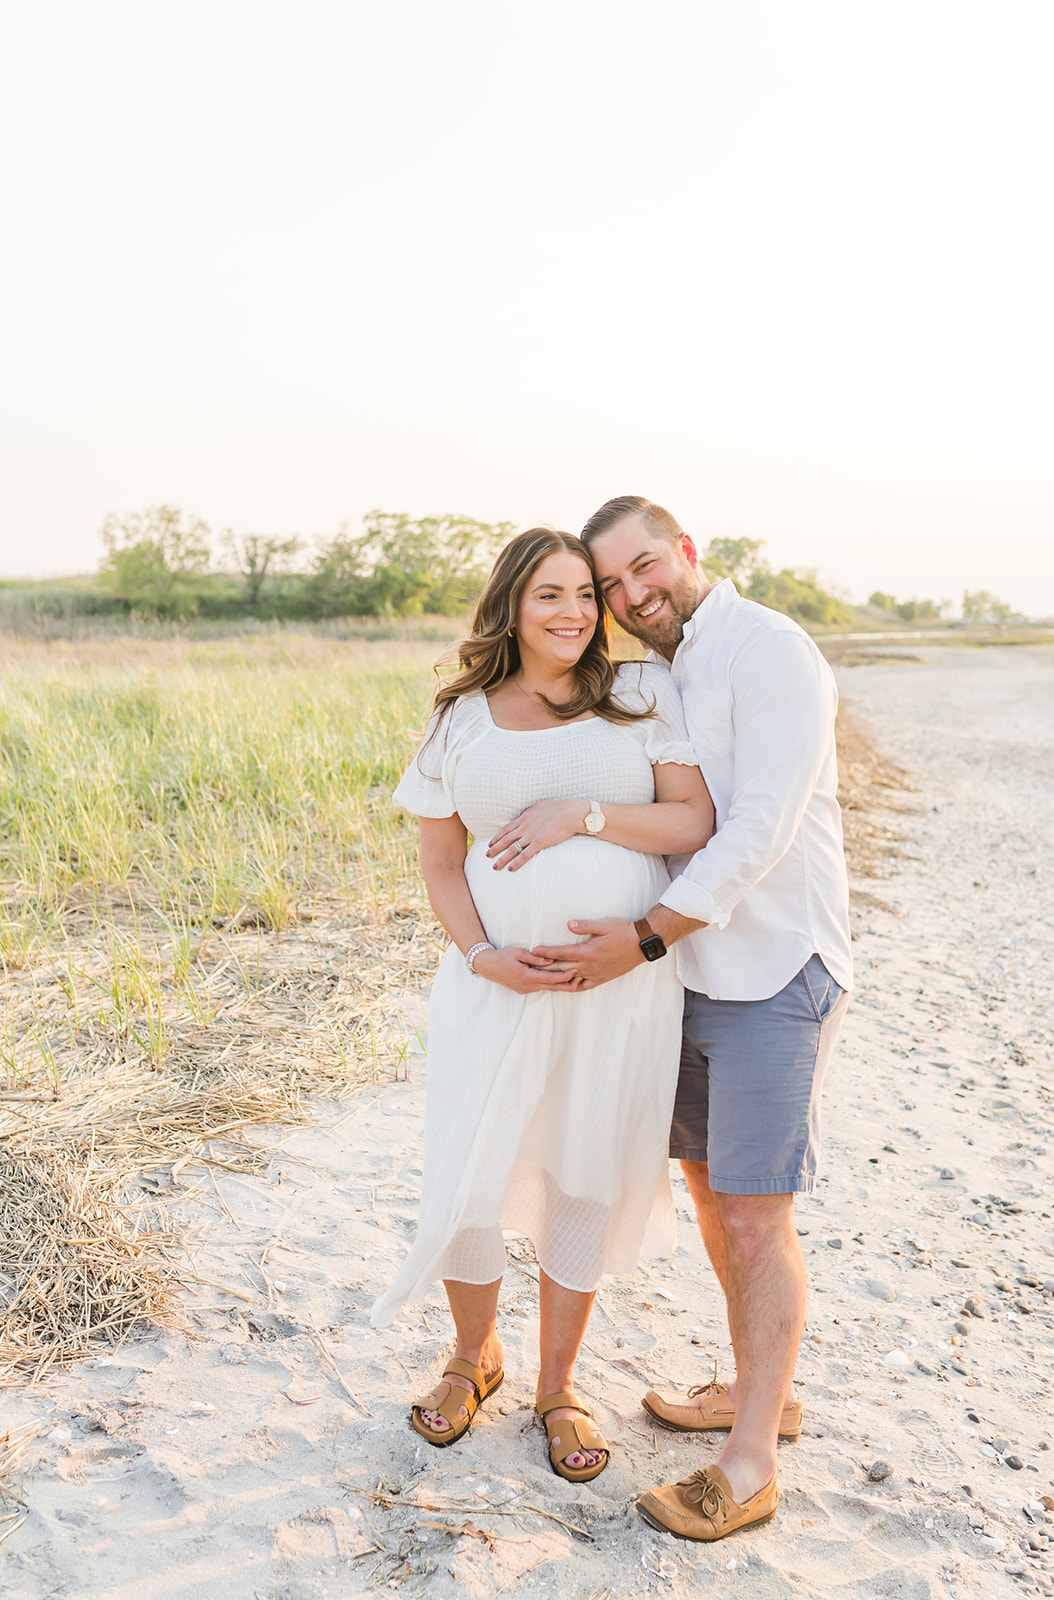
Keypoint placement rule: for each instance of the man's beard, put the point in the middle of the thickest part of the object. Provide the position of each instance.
(666, 629)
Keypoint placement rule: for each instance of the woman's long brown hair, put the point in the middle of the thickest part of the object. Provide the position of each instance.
(491, 652)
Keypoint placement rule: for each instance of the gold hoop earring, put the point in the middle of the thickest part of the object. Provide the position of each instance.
(511, 632)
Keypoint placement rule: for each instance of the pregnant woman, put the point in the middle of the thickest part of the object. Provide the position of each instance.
(548, 1109)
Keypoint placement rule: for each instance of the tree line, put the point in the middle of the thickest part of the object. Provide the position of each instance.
(162, 562)
(159, 562)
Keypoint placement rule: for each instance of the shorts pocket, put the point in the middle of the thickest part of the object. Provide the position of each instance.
(820, 987)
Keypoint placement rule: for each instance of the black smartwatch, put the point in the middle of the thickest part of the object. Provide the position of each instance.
(652, 947)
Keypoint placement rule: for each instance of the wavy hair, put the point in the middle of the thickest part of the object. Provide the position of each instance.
(491, 652)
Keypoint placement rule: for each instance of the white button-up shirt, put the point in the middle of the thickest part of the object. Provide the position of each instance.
(760, 702)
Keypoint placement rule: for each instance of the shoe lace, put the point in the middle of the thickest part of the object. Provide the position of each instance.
(701, 1490)
(713, 1387)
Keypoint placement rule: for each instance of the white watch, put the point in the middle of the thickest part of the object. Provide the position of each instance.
(594, 818)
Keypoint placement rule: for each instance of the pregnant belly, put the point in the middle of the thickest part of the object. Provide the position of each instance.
(579, 878)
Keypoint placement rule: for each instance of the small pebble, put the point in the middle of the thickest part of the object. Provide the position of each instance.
(962, 1327)
(896, 1358)
(878, 1290)
(1048, 1286)
(1017, 1570)
(980, 1217)
(1001, 1283)
(621, 1343)
(957, 1263)
(834, 1244)
(991, 1544)
(987, 1450)
(697, 1338)
(1001, 1445)
(280, 1287)
(972, 1416)
(974, 1305)
(1015, 1462)
(1047, 1502)
(946, 1172)
(880, 1471)
(929, 1372)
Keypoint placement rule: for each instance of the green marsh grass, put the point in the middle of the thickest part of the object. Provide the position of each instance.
(209, 910)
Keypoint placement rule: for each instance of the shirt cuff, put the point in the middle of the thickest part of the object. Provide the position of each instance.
(689, 899)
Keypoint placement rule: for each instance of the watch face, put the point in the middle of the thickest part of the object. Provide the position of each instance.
(653, 949)
(594, 822)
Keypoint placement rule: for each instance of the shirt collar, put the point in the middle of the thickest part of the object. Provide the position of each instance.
(705, 611)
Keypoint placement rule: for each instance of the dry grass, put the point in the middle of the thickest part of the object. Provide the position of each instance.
(93, 1141)
(870, 788)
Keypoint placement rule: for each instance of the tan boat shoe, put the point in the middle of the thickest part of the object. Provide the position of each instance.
(708, 1406)
(702, 1506)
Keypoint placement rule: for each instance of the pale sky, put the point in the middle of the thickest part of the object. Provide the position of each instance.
(785, 268)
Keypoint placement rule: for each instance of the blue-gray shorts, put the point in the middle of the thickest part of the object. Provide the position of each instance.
(748, 1097)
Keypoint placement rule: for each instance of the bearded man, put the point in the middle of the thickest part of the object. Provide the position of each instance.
(759, 920)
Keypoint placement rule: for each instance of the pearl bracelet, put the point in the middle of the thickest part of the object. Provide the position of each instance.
(470, 957)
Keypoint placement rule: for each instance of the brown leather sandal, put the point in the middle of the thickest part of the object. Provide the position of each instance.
(448, 1399)
(584, 1437)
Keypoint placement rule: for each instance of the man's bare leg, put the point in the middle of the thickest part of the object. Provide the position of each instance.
(707, 1209)
(697, 1177)
(766, 1316)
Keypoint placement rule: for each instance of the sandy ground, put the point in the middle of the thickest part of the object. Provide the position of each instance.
(264, 1453)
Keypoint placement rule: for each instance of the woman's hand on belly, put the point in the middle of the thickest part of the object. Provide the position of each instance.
(525, 973)
(542, 825)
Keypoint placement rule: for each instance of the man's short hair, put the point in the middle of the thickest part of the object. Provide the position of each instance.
(656, 518)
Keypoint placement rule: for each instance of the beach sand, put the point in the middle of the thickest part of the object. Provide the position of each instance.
(264, 1453)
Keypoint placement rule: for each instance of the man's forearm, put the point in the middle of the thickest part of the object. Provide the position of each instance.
(671, 926)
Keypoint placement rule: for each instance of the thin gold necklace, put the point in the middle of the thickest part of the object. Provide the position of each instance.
(528, 694)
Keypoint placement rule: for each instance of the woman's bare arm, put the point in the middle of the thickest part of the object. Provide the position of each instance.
(679, 822)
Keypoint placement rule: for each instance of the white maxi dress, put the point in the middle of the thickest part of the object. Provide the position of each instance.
(548, 1114)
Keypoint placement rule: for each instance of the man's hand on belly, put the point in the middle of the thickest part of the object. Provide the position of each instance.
(611, 949)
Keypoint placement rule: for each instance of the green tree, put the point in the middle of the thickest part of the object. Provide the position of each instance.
(156, 560)
(738, 559)
(917, 610)
(979, 605)
(258, 556)
(401, 566)
(884, 602)
(339, 582)
(798, 595)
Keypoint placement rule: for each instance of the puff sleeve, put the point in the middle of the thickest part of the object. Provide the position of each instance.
(644, 684)
(426, 787)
